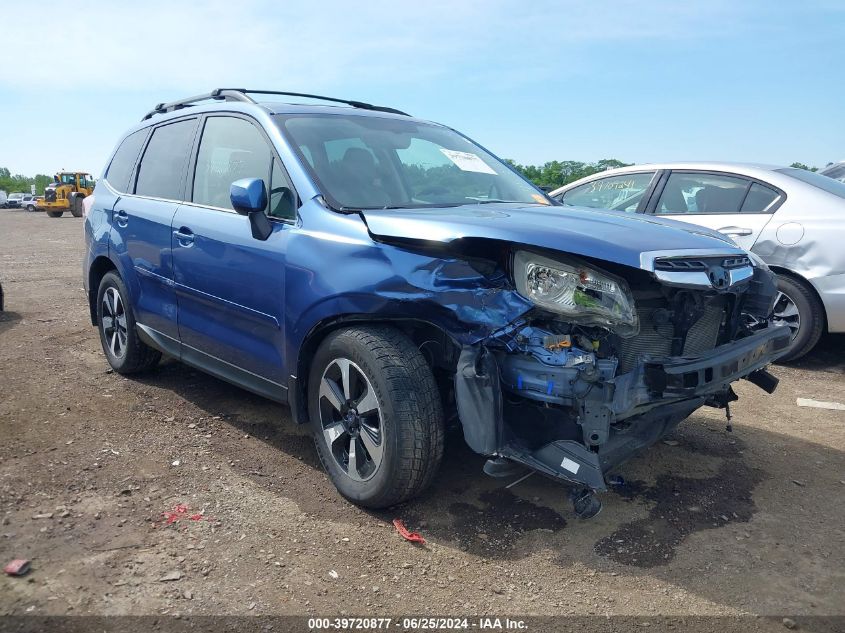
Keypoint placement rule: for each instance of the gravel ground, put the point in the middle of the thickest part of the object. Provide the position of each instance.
(710, 522)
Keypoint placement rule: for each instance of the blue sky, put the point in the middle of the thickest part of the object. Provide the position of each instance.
(533, 81)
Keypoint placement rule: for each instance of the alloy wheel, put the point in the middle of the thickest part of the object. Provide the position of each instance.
(786, 312)
(114, 322)
(351, 419)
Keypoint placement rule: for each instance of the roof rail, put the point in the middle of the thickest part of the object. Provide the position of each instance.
(241, 94)
(223, 94)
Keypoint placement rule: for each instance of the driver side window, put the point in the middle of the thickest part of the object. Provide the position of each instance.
(619, 193)
(231, 149)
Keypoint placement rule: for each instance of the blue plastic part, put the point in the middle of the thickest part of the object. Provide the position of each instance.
(248, 195)
(615, 480)
(519, 382)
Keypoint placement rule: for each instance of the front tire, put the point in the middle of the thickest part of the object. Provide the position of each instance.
(76, 207)
(798, 307)
(376, 415)
(124, 350)
(55, 214)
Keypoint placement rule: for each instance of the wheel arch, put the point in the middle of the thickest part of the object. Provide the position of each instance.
(780, 270)
(98, 269)
(438, 348)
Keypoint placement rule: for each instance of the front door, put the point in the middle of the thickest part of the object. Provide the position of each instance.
(731, 204)
(230, 286)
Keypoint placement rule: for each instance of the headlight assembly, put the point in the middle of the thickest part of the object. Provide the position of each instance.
(573, 289)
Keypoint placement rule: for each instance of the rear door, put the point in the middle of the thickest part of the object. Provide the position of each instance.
(230, 286)
(141, 223)
(732, 204)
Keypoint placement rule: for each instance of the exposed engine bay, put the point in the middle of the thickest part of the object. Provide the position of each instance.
(576, 399)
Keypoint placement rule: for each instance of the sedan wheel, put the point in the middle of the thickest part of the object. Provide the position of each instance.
(798, 307)
(786, 312)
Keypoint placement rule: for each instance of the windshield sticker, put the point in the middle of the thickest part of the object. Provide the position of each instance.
(466, 161)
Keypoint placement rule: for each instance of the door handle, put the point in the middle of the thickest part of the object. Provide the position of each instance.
(735, 230)
(184, 236)
(122, 218)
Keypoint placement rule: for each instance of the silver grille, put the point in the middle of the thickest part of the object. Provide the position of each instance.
(656, 340)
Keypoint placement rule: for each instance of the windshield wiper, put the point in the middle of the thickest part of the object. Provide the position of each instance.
(488, 201)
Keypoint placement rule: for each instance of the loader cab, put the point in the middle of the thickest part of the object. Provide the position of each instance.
(79, 180)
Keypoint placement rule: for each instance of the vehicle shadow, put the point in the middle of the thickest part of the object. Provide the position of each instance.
(8, 320)
(705, 500)
(827, 355)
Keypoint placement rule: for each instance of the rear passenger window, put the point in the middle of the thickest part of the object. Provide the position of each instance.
(124, 159)
(230, 149)
(702, 193)
(759, 199)
(162, 169)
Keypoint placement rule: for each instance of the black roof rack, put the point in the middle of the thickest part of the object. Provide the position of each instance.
(242, 94)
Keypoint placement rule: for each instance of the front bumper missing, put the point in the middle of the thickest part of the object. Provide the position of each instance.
(710, 373)
(615, 418)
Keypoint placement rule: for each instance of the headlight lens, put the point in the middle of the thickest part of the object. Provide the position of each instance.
(571, 288)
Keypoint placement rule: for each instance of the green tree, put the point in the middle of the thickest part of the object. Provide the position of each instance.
(557, 173)
(803, 166)
(19, 183)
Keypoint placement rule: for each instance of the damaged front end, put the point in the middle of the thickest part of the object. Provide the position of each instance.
(611, 360)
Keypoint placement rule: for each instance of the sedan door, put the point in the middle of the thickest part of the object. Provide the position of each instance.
(230, 285)
(732, 204)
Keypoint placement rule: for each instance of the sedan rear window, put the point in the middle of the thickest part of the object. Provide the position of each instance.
(817, 180)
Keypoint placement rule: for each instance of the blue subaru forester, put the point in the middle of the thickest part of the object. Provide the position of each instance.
(387, 277)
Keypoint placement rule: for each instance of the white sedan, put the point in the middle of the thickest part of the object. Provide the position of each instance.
(792, 218)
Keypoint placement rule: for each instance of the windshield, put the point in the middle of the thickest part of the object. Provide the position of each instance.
(367, 162)
(830, 185)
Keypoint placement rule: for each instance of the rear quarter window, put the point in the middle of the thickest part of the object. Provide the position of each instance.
(120, 169)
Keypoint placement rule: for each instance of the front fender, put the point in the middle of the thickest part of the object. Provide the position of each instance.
(384, 282)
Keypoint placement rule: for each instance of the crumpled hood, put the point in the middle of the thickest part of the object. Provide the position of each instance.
(609, 235)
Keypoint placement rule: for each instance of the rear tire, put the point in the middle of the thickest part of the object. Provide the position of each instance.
(124, 350)
(76, 207)
(55, 214)
(799, 307)
(390, 407)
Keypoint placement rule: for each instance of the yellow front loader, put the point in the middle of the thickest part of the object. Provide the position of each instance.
(66, 192)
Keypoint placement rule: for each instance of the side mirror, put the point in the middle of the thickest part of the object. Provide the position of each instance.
(249, 197)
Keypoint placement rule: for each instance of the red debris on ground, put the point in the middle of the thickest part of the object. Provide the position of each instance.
(18, 567)
(413, 537)
(180, 513)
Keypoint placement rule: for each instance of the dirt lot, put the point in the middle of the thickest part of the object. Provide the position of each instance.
(708, 523)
